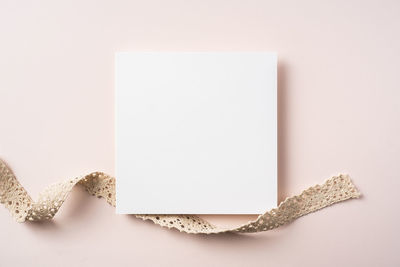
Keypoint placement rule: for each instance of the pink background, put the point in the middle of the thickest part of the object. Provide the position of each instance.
(338, 112)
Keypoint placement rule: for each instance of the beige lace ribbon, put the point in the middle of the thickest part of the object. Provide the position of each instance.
(22, 207)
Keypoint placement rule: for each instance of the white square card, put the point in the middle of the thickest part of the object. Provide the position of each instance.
(196, 133)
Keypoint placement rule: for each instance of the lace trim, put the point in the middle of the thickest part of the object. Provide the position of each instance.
(22, 207)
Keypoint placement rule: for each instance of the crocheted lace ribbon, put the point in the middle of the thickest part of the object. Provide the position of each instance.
(22, 207)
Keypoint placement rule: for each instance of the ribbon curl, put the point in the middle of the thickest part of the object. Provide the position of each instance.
(21, 206)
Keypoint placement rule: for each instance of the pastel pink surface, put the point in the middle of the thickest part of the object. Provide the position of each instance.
(338, 112)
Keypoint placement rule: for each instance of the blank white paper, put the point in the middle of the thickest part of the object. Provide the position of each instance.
(196, 133)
